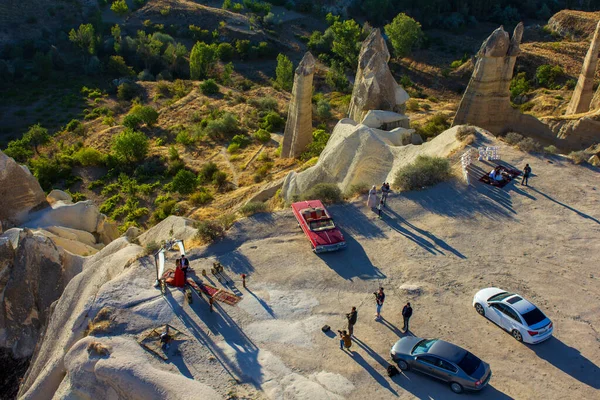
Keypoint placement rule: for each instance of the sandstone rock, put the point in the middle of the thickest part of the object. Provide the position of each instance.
(486, 101)
(70, 245)
(58, 195)
(20, 192)
(73, 234)
(298, 128)
(172, 227)
(83, 216)
(385, 120)
(577, 133)
(266, 191)
(34, 275)
(594, 160)
(106, 229)
(578, 24)
(357, 154)
(584, 90)
(374, 86)
(132, 232)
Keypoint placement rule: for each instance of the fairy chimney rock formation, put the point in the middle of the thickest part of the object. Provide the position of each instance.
(298, 128)
(374, 86)
(584, 91)
(486, 102)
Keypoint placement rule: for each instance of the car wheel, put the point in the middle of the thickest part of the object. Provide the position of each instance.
(517, 335)
(456, 387)
(403, 365)
(479, 309)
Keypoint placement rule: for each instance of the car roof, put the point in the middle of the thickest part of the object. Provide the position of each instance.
(447, 351)
(521, 306)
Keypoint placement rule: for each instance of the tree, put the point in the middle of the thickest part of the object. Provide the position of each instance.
(284, 72)
(130, 146)
(148, 48)
(202, 60)
(346, 43)
(119, 7)
(140, 115)
(36, 136)
(185, 181)
(405, 34)
(84, 38)
(118, 67)
(227, 5)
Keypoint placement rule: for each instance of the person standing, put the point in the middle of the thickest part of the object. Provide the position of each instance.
(384, 193)
(185, 265)
(352, 316)
(380, 207)
(379, 298)
(372, 199)
(345, 340)
(526, 173)
(406, 314)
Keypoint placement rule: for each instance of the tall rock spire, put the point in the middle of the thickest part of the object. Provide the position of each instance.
(584, 90)
(298, 128)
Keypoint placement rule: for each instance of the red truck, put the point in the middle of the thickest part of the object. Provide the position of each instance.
(318, 226)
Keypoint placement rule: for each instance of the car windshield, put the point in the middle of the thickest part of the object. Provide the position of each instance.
(423, 346)
(534, 316)
(469, 363)
(500, 296)
(321, 225)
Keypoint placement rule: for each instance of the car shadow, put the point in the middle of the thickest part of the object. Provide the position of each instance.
(351, 262)
(426, 388)
(569, 360)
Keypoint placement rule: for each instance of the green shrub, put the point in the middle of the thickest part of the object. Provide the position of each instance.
(184, 138)
(201, 197)
(272, 122)
(127, 91)
(405, 34)
(252, 208)
(227, 5)
(323, 109)
(49, 171)
(357, 189)
(413, 105)
(142, 115)
(88, 156)
(202, 60)
(110, 204)
(315, 148)
(207, 172)
(328, 193)
(75, 126)
(219, 178)
(262, 136)
(130, 146)
(513, 138)
(529, 145)
(264, 103)
(552, 149)
(132, 121)
(119, 7)
(425, 171)
(284, 72)
(19, 149)
(225, 52)
(209, 231)
(163, 209)
(209, 87)
(548, 75)
(336, 78)
(233, 148)
(519, 85)
(222, 127)
(184, 182)
(579, 157)
(434, 126)
(197, 33)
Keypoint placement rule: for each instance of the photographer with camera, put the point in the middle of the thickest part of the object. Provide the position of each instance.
(345, 340)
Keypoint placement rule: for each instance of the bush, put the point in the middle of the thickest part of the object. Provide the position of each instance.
(130, 146)
(405, 34)
(252, 208)
(36, 136)
(241, 140)
(547, 76)
(140, 115)
(110, 204)
(233, 148)
(465, 131)
(357, 189)
(434, 126)
(119, 7)
(184, 182)
(131, 121)
(164, 209)
(127, 91)
(552, 149)
(413, 105)
(145, 75)
(48, 171)
(209, 231)
(184, 138)
(222, 127)
(328, 193)
(529, 145)
(425, 171)
(579, 157)
(88, 156)
(19, 150)
(513, 138)
(225, 52)
(519, 85)
(323, 109)
(262, 136)
(315, 148)
(201, 197)
(207, 172)
(336, 78)
(209, 87)
(284, 72)
(265, 103)
(272, 122)
(219, 178)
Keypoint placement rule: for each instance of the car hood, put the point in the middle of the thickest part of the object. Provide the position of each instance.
(405, 345)
(327, 237)
(485, 294)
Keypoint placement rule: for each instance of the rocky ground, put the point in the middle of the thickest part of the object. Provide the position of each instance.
(435, 248)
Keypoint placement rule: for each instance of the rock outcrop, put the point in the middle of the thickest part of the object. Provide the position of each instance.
(374, 86)
(298, 128)
(357, 154)
(584, 90)
(576, 133)
(34, 273)
(486, 101)
(577, 24)
(20, 192)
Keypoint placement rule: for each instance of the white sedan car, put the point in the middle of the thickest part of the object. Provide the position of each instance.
(524, 321)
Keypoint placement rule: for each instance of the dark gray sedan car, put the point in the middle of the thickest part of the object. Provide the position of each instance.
(442, 360)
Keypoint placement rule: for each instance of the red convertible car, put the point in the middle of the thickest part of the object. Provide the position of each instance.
(318, 226)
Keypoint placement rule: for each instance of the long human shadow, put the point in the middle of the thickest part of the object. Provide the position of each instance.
(581, 214)
(373, 354)
(426, 388)
(392, 327)
(263, 303)
(433, 245)
(569, 360)
(351, 262)
(354, 221)
(372, 371)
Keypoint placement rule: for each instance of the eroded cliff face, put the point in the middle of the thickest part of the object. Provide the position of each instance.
(298, 128)
(584, 90)
(374, 86)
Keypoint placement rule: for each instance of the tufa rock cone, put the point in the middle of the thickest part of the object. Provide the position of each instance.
(584, 90)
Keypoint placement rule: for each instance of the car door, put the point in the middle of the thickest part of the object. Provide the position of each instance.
(495, 314)
(426, 364)
(512, 319)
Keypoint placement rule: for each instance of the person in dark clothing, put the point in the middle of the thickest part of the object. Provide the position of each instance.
(352, 317)
(379, 298)
(185, 265)
(406, 314)
(526, 173)
(380, 207)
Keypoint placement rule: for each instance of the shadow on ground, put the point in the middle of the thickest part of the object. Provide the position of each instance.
(351, 262)
(372, 371)
(569, 360)
(581, 214)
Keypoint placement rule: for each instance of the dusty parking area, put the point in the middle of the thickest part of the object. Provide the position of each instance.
(436, 249)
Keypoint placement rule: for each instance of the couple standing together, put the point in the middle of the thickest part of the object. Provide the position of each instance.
(406, 311)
